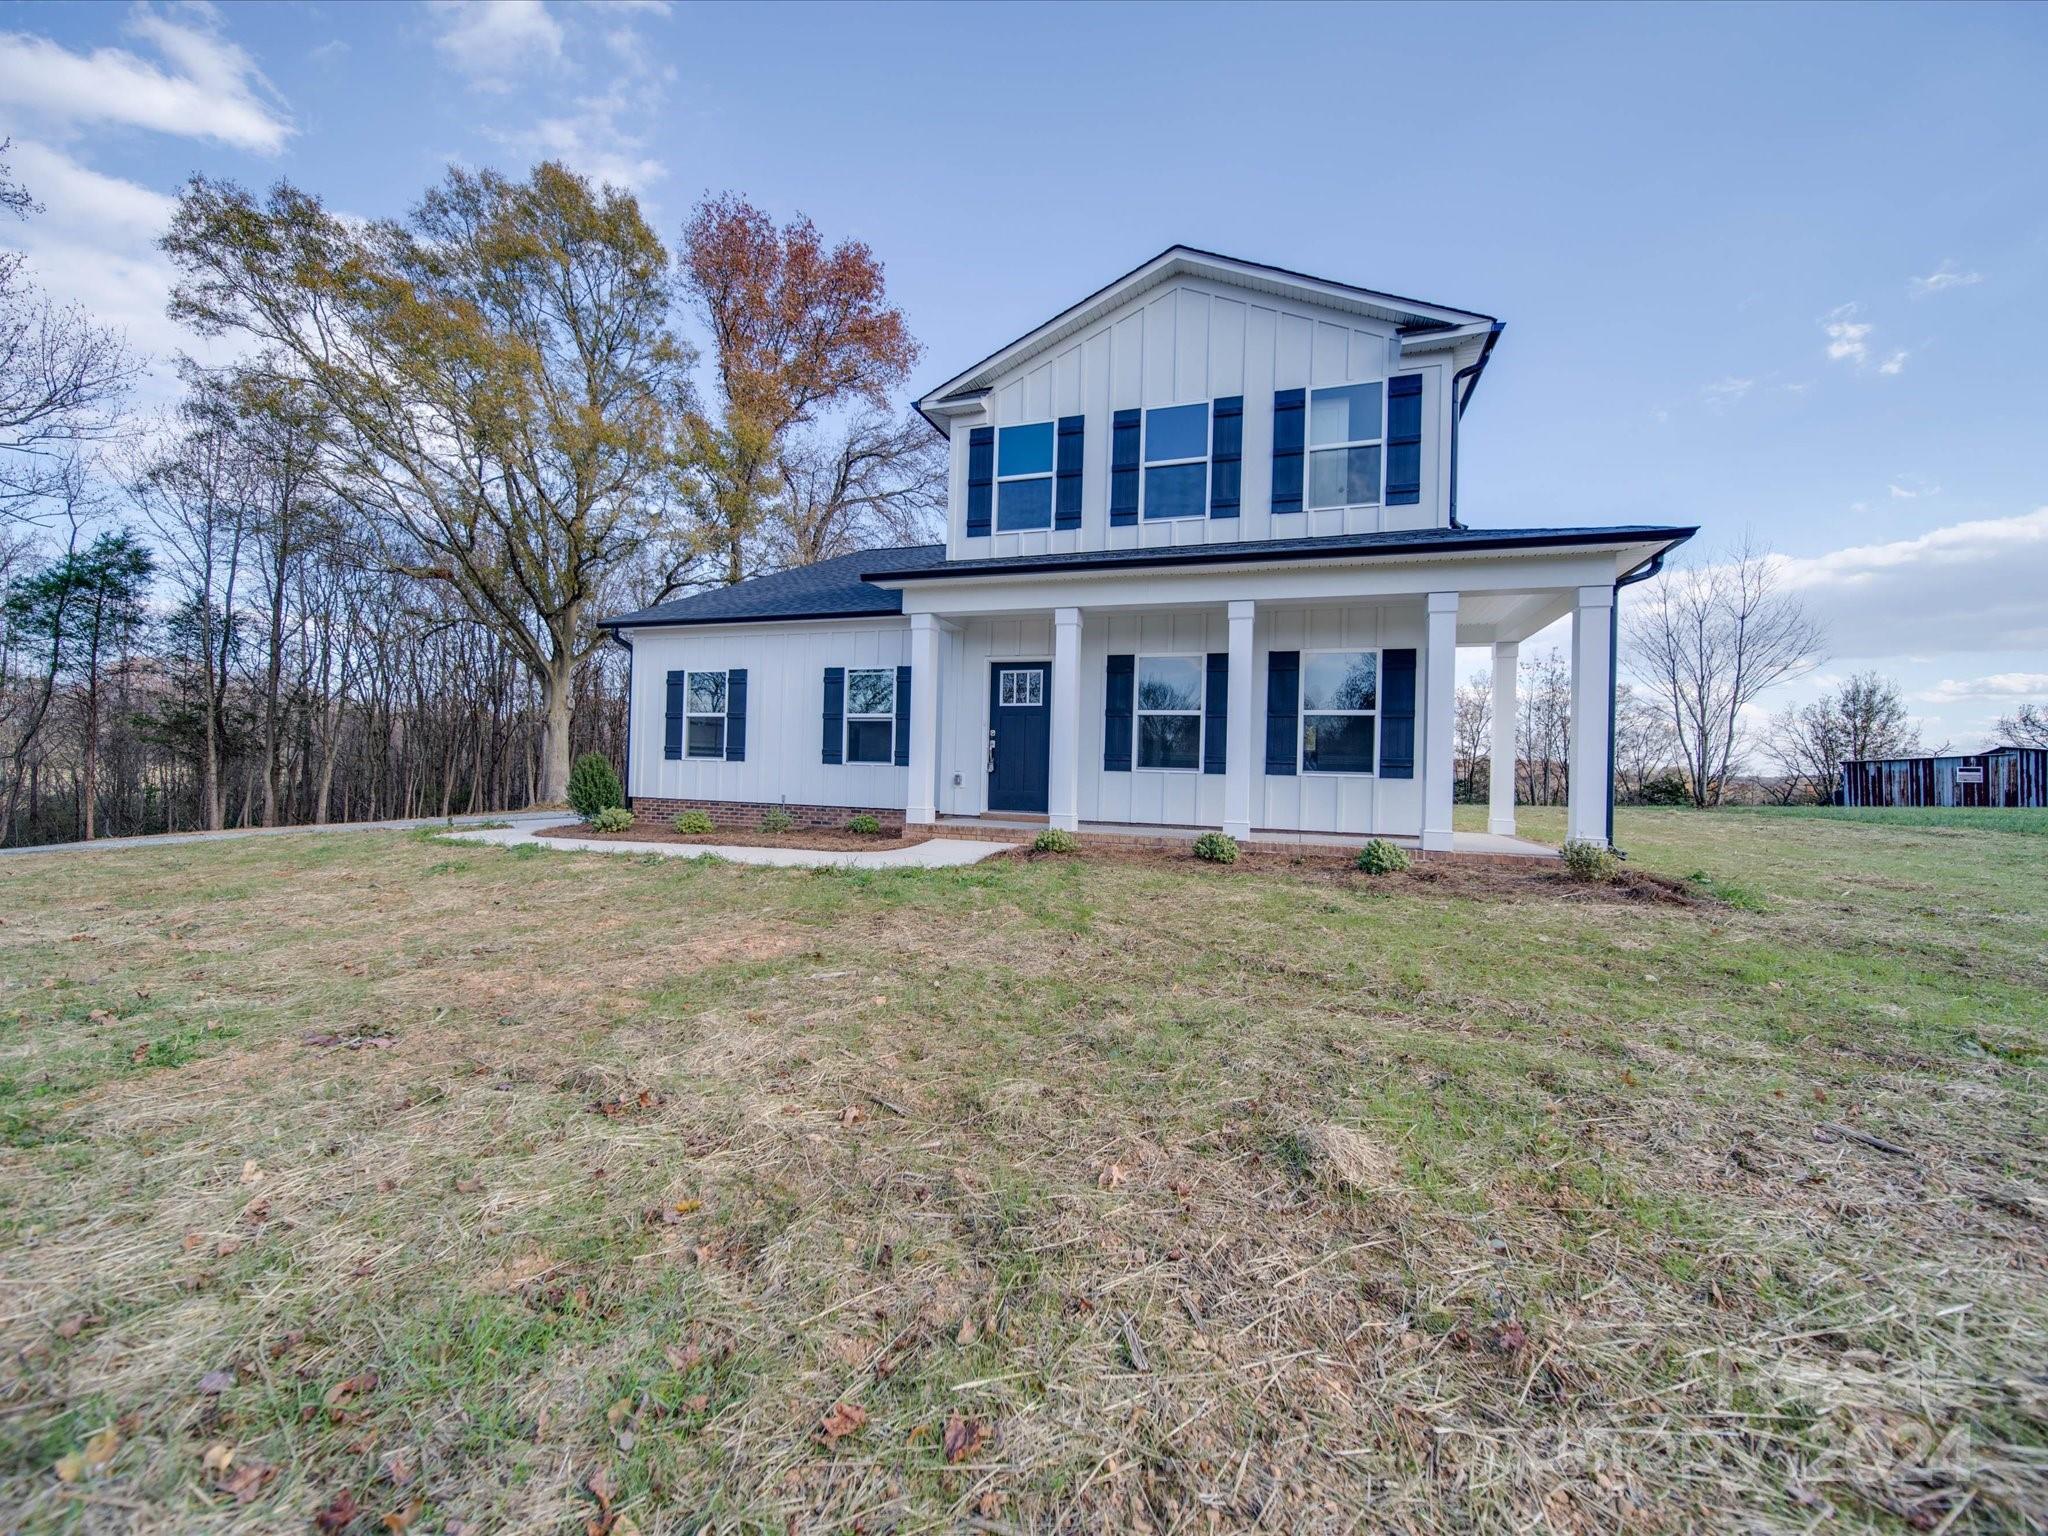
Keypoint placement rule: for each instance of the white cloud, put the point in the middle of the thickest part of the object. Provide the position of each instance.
(1725, 392)
(211, 90)
(1973, 586)
(1894, 365)
(1848, 337)
(590, 139)
(1999, 685)
(1944, 277)
(494, 41)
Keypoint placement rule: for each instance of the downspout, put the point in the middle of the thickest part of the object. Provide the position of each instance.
(1459, 402)
(620, 640)
(1643, 573)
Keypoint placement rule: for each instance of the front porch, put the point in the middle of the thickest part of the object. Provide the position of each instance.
(1409, 618)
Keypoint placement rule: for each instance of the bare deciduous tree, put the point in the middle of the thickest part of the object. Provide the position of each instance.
(1864, 718)
(1707, 640)
(2026, 726)
(1471, 730)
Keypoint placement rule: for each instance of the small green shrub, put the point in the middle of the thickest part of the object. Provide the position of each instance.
(865, 825)
(593, 787)
(1666, 788)
(613, 818)
(776, 819)
(1216, 847)
(1380, 857)
(1056, 840)
(1590, 861)
(694, 823)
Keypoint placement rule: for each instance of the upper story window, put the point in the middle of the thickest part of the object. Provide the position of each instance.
(871, 715)
(1024, 477)
(1345, 431)
(1169, 712)
(1340, 701)
(704, 696)
(1177, 461)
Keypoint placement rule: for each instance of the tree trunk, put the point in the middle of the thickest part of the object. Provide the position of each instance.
(557, 689)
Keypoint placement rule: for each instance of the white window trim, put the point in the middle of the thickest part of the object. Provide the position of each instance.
(1031, 670)
(1302, 712)
(689, 714)
(1146, 464)
(1139, 712)
(1310, 448)
(1050, 476)
(849, 716)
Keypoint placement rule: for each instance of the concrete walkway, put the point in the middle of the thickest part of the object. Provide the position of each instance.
(934, 853)
(1491, 844)
(172, 839)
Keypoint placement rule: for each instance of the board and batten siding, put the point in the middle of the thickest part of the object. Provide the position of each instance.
(1193, 341)
(785, 712)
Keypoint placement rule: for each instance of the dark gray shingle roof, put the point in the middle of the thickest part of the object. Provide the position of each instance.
(1238, 552)
(831, 589)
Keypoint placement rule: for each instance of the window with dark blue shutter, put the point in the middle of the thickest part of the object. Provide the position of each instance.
(835, 714)
(1397, 714)
(1283, 700)
(1290, 408)
(1216, 714)
(981, 484)
(672, 721)
(1125, 427)
(903, 717)
(1404, 440)
(1226, 455)
(1118, 698)
(1067, 499)
(736, 715)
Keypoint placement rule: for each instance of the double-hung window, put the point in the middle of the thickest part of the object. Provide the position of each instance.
(1170, 712)
(1024, 477)
(704, 714)
(1344, 438)
(1340, 701)
(1177, 461)
(871, 715)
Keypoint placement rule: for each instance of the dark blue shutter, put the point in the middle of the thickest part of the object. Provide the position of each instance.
(1283, 697)
(1119, 690)
(1404, 440)
(903, 717)
(1226, 454)
(835, 714)
(1216, 714)
(1397, 714)
(736, 715)
(1290, 410)
(1123, 469)
(981, 483)
(1067, 486)
(672, 734)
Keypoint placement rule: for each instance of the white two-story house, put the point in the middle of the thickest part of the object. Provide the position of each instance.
(1203, 569)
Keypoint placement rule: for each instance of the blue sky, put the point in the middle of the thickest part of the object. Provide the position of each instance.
(1772, 268)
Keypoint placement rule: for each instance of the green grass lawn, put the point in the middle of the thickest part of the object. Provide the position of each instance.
(422, 1185)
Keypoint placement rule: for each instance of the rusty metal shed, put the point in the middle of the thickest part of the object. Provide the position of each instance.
(2001, 776)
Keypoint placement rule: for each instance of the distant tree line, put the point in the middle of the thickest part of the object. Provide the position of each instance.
(356, 572)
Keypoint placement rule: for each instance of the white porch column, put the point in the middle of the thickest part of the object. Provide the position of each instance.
(1592, 694)
(1439, 698)
(1241, 750)
(1063, 796)
(921, 805)
(1500, 796)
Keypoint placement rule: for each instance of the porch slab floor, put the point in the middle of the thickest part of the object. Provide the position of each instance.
(933, 853)
(1484, 844)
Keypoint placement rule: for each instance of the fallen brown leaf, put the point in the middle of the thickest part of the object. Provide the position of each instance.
(92, 1458)
(340, 1512)
(964, 1436)
(840, 1420)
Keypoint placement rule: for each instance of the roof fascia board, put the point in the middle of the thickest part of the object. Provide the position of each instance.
(1181, 259)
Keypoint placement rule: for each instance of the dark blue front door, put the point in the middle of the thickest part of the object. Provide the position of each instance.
(1019, 735)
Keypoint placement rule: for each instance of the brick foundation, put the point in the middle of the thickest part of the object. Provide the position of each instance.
(745, 815)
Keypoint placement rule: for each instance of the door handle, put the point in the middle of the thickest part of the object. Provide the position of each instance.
(991, 749)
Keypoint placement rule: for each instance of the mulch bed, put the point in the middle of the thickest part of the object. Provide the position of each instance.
(831, 840)
(1480, 878)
